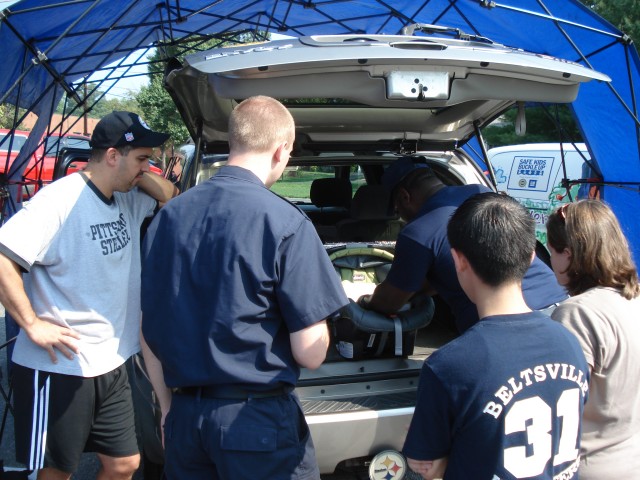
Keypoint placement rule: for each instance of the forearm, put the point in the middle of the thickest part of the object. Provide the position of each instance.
(46, 335)
(427, 289)
(429, 469)
(388, 299)
(154, 370)
(157, 187)
(13, 296)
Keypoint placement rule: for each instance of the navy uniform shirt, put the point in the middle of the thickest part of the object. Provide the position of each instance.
(423, 252)
(503, 400)
(230, 269)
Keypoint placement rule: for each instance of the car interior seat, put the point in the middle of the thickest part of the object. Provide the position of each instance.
(332, 196)
(371, 217)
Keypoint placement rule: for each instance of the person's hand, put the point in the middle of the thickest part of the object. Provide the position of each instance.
(421, 467)
(355, 290)
(363, 301)
(428, 469)
(53, 337)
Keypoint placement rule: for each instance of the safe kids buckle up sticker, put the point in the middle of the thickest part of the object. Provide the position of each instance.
(530, 173)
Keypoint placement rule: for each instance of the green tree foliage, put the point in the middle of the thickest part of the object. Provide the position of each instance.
(159, 111)
(6, 115)
(541, 127)
(108, 105)
(155, 103)
(99, 104)
(157, 106)
(624, 14)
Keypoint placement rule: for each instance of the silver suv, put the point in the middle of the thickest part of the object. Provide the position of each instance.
(360, 102)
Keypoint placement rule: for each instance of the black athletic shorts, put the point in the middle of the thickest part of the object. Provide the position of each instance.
(57, 417)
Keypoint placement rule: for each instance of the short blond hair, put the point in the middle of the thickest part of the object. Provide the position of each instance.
(258, 123)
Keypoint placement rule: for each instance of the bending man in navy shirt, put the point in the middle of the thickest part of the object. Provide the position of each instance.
(245, 288)
(423, 261)
(505, 399)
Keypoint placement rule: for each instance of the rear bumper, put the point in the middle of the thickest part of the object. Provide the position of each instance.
(342, 436)
(356, 419)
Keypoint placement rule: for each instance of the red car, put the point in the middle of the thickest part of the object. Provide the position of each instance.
(40, 169)
(9, 151)
(53, 145)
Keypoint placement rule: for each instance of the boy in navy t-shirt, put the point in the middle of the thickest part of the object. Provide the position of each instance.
(505, 399)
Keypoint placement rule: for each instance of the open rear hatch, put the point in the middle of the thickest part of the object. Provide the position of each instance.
(371, 88)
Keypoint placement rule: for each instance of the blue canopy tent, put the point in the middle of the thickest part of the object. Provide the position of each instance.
(50, 48)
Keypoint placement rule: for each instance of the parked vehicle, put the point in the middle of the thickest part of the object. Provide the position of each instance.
(542, 176)
(41, 167)
(55, 142)
(360, 102)
(10, 146)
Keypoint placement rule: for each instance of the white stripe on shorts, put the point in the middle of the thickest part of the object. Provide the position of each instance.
(40, 421)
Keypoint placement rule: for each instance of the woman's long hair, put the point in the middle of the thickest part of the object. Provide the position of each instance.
(600, 254)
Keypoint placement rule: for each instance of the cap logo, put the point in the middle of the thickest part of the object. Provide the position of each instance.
(143, 123)
(129, 137)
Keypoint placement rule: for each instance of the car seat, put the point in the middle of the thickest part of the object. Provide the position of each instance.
(359, 333)
(371, 217)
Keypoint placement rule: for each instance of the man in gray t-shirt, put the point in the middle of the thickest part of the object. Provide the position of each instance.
(70, 278)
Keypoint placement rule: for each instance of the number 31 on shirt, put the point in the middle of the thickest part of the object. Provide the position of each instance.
(534, 417)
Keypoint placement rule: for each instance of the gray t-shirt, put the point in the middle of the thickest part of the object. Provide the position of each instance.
(82, 254)
(608, 328)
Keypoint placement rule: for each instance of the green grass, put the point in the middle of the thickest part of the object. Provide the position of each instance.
(296, 184)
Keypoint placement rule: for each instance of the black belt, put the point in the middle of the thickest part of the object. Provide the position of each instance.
(230, 392)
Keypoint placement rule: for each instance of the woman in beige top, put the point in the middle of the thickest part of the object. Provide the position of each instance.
(590, 257)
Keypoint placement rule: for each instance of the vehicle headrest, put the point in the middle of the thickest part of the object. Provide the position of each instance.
(331, 192)
(371, 202)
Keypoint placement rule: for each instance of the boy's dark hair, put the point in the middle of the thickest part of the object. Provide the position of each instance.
(497, 236)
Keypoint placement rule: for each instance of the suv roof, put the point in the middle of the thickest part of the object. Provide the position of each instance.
(371, 88)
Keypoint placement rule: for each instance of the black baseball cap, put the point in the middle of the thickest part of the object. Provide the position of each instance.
(118, 129)
(398, 170)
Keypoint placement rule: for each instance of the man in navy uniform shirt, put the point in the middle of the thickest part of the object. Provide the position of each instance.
(423, 260)
(236, 288)
(505, 399)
